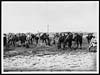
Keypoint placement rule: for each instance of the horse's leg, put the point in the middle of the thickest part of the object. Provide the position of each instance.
(64, 44)
(70, 44)
(48, 41)
(11, 42)
(59, 45)
(54, 42)
(81, 44)
(88, 41)
(42, 40)
(14, 43)
(31, 40)
(77, 44)
(36, 41)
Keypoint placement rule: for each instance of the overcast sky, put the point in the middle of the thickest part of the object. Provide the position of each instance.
(60, 16)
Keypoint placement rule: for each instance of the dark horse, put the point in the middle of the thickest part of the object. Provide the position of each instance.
(78, 39)
(65, 39)
(89, 37)
(45, 39)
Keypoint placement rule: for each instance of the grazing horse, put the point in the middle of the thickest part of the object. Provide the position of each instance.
(78, 39)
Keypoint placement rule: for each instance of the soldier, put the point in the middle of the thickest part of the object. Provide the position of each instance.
(93, 43)
(5, 40)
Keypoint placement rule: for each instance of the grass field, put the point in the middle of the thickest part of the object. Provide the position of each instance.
(49, 58)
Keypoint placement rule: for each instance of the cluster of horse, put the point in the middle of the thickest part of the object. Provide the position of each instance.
(22, 39)
(60, 39)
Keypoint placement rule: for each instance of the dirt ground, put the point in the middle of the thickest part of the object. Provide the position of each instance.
(49, 58)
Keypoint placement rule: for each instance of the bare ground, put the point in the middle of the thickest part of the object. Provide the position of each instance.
(49, 59)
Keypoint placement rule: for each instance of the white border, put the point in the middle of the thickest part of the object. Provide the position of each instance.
(45, 72)
(50, 1)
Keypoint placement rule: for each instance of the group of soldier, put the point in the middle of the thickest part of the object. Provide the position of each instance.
(61, 40)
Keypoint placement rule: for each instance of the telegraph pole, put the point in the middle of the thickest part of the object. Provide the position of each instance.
(48, 28)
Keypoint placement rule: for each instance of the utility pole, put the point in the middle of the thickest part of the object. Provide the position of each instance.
(48, 28)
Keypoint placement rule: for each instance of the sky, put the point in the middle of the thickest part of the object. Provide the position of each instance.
(58, 16)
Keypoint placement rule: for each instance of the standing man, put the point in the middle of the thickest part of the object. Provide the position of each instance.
(5, 40)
